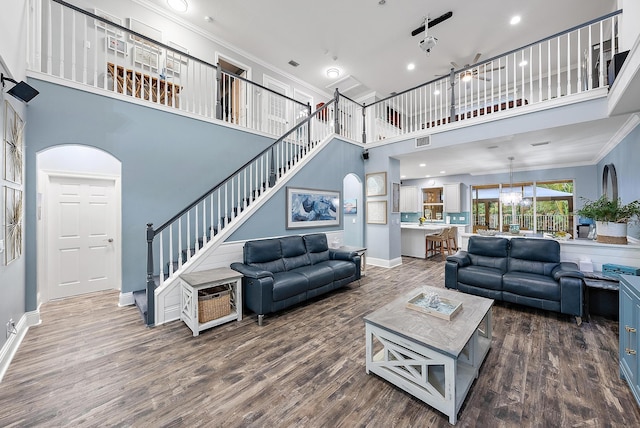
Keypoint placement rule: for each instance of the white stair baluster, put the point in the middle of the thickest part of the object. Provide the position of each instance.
(161, 262)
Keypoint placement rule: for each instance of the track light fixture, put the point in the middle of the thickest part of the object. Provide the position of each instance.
(22, 90)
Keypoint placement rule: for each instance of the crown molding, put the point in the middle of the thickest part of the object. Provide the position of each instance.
(620, 135)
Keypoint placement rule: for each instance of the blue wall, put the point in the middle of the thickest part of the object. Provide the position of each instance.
(626, 159)
(326, 171)
(167, 161)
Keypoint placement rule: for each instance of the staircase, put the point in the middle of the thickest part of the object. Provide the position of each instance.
(196, 231)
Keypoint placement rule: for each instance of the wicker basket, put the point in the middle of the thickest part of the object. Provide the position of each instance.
(213, 303)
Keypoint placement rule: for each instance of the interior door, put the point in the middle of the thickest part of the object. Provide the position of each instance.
(81, 225)
(276, 112)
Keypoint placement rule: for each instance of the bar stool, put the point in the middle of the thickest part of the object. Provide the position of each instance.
(452, 241)
(436, 243)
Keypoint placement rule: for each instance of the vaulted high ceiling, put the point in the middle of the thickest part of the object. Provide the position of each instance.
(370, 42)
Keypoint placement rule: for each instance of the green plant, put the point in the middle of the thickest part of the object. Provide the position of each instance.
(605, 209)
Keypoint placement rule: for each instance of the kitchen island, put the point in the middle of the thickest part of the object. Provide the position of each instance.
(413, 236)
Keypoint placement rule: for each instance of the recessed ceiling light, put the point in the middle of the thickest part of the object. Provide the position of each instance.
(208, 18)
(333, 72)
(178, 5)
(422, 165)
(436, 92)
(515, 20)
(523, 63)
(427, 176)
(443, 172)
(403, 176)
(411, 66)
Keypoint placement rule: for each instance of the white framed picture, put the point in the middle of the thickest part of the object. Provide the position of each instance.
(118, 45)
(108, 17)
(145, 57)
(145, 30)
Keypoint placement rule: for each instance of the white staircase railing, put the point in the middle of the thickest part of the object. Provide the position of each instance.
(171, 246)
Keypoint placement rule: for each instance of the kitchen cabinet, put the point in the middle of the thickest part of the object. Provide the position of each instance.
(451, 196)
(433, 207)
(409, 199)
(629, 332)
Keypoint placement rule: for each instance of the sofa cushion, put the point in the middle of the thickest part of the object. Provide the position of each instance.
(317, 275)
(488, 246)
(481, 276)
(294, 252)
(265, 254)
(317, 247)
(288, 284)
(541, 250)
(341, 268)
(532, 285)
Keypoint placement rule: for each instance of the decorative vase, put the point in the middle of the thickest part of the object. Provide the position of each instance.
(609, 232)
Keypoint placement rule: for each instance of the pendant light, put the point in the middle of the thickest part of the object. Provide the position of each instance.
(510, 197)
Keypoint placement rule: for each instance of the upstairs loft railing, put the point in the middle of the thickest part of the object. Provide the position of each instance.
(182, 237)
(90, 49)
(567, 63)
(97, 51)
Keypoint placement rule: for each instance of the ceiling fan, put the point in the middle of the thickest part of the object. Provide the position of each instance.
(475, 72)
(431, 23)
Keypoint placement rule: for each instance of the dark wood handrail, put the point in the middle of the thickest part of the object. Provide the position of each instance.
(237, 171)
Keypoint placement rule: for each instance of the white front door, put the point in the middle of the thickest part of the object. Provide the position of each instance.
(82, 230)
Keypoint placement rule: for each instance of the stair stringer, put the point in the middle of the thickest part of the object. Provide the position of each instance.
(167, 295)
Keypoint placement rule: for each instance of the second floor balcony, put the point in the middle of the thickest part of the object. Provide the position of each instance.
(83, 49)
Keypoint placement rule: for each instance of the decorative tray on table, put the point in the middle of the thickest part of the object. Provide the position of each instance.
(440, 307)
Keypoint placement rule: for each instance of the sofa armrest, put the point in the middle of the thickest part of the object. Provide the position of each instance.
(571, 295)
(461, 258)
(250, 271)
(342, 255)
(566, 269)
(349, 256)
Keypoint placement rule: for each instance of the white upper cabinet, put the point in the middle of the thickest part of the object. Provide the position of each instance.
(452, 197)
(409, 199)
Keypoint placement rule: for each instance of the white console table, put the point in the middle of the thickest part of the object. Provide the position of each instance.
(196, 281)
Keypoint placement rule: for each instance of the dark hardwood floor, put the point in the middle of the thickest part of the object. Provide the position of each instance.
(91, 363)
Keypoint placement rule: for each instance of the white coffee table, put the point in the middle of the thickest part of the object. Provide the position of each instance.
(432, 359)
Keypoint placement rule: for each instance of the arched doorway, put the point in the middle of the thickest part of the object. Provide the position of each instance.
(353, 218)
(78, 221)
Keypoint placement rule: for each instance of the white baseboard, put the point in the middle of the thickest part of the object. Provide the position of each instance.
(384, 263)
(12, 344)
(126, 299)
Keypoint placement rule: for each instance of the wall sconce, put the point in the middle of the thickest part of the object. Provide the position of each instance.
(22, 90)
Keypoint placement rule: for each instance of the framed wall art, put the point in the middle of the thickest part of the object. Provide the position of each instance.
(13, 224)
(145, 30)
(312, 208)
(145, 57)
(118, 45)
(350, 206)
(376, 184)
(111, 18)
(377, 212)
(13, 144)
(395, 197)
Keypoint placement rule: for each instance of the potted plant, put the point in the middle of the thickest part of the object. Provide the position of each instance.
(611, 217)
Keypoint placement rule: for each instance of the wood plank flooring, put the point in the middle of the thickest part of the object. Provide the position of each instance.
(91, 363)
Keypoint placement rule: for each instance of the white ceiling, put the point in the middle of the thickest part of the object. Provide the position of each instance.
(373, 45)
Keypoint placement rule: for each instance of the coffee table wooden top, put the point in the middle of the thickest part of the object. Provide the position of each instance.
(449, 337)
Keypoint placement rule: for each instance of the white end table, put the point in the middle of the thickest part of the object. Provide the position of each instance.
(195, 281)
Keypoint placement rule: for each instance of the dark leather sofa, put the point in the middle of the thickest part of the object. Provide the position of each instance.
(523, 271)
(282, 272)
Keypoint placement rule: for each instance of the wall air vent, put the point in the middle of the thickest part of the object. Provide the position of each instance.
(423, 142)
